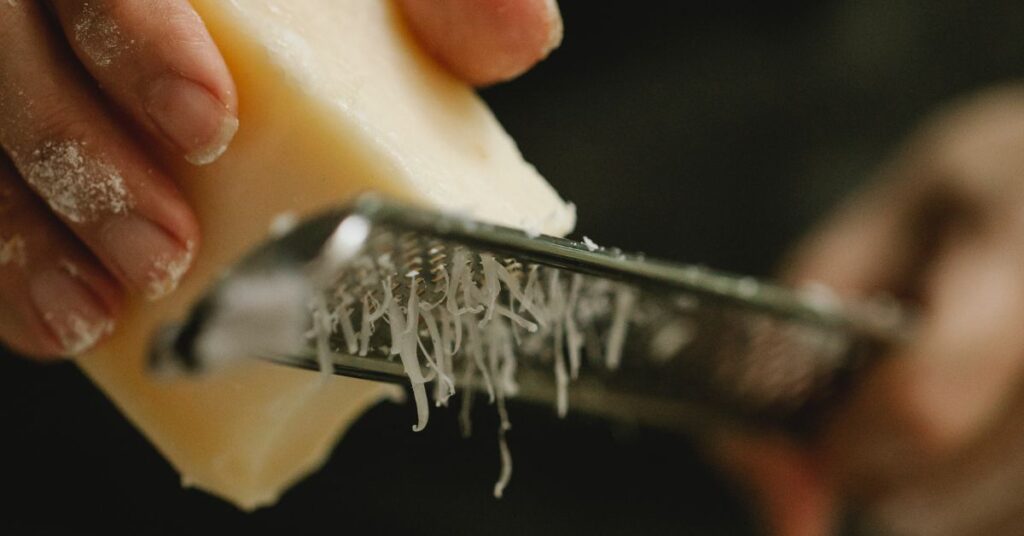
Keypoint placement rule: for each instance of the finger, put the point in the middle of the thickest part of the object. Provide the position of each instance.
(878, 240)
(55, 298)
(955, 379)
(90, 172)
(963, 158)
(486, 41)
(793, 498)
(158, 62)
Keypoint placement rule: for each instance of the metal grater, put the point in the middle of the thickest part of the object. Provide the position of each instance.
(590, 328)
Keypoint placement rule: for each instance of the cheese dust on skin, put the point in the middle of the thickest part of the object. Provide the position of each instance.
(218, 145)
(12, 251)
(99, 36)
(76, 334)
(167, 271)
(70, 268)
(77, 185)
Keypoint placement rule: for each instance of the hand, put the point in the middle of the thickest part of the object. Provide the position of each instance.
(85, 214)
(932, 443)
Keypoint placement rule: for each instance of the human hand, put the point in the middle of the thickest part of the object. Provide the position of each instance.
(932, 443)
(86, 214)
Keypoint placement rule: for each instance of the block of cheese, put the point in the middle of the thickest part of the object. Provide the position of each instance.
(336, 99)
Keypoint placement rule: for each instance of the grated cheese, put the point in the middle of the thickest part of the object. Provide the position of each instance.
(471, 314)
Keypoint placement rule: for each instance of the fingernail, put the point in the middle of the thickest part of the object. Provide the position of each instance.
(555, 27)
(146, 255)
(75, 316)
(192, 118)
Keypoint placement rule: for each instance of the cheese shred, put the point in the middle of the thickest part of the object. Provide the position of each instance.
(460, 322)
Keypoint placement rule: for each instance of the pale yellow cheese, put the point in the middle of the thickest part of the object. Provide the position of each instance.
(335, 98)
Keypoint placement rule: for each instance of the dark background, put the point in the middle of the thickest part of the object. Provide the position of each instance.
(712, 134)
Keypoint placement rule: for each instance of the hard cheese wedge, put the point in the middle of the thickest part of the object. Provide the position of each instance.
(335, 99)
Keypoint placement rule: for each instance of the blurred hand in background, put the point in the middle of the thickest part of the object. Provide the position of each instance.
(932, 443)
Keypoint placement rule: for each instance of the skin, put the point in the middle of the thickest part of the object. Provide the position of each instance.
(925, 446)
(86, 216)
(930, 441)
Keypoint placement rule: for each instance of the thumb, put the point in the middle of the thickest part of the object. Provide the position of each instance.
(486, 41)
(878, 239)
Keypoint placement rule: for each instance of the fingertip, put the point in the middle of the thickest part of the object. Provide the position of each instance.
(28, 338)
(847, 255)
(488, 41)
(159, 62)
(191, 95)
(176, 216)
(73, 315)
(192, 118)
(146, 256)
(103, 286)
(555, 30)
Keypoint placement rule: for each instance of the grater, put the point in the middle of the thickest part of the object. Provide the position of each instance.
(388, 292)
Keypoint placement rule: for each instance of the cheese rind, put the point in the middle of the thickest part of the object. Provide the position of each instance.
(335, 99)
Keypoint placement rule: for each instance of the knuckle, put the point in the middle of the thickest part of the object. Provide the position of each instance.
(51, 118)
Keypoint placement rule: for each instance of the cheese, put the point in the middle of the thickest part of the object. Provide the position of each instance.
(335, 99)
